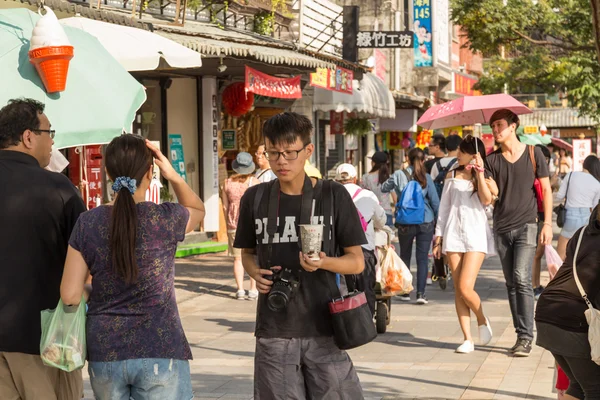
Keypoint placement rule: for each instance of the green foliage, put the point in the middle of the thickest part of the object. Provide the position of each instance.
(549, 47)
(264, 22)
(358, 126)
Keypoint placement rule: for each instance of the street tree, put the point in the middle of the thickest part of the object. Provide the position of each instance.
(536, 46)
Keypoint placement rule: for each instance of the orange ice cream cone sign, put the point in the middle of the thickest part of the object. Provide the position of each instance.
(50, 51)
(52, 64)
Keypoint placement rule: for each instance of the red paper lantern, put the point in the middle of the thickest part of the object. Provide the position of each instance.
(236, 102)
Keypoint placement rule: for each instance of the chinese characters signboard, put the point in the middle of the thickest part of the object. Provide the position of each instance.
(384, 40)
(530, 129)
(339, 80)
(422, 33)
(336, 120)
(176, 152)
(464, 85)
(581, 149)
(228, 141)
(266, 85)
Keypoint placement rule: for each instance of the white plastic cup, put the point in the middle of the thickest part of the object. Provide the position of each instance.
(311, 237)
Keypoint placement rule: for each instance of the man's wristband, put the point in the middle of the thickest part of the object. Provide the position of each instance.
(548, 223)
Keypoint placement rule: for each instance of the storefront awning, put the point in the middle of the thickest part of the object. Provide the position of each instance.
(136, 49)
(269, 55)
(370, 96)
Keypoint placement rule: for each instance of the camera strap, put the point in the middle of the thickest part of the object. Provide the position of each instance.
(273, 211)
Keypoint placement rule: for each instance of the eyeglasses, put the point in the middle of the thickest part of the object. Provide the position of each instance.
(50, 132)
(288, 154)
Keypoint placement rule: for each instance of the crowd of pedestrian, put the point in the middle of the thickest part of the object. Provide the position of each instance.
(136, 346)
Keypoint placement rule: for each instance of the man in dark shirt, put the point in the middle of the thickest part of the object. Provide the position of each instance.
(515, 219)
(38, 210)
(296, 356)
(437, 148)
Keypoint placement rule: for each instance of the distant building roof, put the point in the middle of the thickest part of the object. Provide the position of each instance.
(556, 118)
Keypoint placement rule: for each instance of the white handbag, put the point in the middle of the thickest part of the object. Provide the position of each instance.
(591, 314)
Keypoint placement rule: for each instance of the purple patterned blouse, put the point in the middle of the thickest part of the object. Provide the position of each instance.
(141, 320)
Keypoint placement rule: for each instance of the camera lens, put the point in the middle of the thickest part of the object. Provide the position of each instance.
(279, 296)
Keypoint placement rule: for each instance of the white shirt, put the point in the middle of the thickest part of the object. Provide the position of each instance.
(584, 190)
(267, 175)
(444, 163)
(368, 204)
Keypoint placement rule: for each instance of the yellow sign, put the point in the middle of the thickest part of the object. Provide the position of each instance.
(320, 78)
(455, 130)
(531, 129)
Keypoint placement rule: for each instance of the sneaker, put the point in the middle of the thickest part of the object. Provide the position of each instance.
(512, 349)
(485, 333)
(537, 292)
(421, 299)
(252, 294)
(429, 281)
(240, 295)
(466, 348)
(404, 297)
(523, 348)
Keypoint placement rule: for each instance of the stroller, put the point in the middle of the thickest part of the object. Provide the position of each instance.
(385, 288)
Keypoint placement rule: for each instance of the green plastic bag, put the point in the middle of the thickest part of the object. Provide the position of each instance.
(63, 342)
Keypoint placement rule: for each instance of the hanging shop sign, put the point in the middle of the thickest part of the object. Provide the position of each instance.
(581, 149)
(455, 130)
(396, 140)
(384, 40)
(266, 85)
(228, 141)
(422, 33)
(336, 120)
(176, 152)
(339, 80)
(464, 85)
(530, 129)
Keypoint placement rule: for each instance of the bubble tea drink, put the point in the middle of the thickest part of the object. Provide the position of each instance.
(311, 237)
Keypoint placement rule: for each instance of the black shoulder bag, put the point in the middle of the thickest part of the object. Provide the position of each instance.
(351, 317)
(561, 209)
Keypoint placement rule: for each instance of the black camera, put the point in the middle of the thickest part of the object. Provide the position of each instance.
(284, 283)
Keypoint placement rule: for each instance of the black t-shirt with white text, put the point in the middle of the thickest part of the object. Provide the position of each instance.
(517, 204)
(307, 314)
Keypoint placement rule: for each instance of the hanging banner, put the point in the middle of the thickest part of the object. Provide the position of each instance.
(464, 85)
(422, 33)
(581, 149)
(339, 80)
(455, 130)
(266, 85)
(380, 63)
(336, 120)
(176, 152)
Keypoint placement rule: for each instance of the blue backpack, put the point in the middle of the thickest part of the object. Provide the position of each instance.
(410, 209)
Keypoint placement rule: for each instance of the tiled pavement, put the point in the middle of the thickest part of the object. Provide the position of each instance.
(415, 359)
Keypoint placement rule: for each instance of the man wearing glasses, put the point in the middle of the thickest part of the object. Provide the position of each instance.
(296, 356)
(437, 149)
(38, 210)
(264, 172)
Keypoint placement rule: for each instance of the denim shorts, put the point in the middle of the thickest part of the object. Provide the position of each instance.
(141, 379)
(576, 218)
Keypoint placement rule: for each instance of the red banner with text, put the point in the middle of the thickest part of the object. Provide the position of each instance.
(266, 85)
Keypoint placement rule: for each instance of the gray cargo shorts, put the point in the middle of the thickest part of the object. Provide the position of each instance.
(303, 368)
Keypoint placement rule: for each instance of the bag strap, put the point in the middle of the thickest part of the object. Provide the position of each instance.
(329, 242)
(408, 175)
(356, 193)
(262, 173)
(567, 192)
(533, 161)
(577, 281)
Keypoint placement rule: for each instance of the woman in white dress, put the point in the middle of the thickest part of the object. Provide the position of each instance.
(463, 234)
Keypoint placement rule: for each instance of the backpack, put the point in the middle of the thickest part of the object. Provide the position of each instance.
(363, 221)
(410, 209)
(441, 177)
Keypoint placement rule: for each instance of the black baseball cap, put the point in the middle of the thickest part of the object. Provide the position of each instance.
(380, 157)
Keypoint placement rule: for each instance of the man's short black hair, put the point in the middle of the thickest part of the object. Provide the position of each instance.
(16, 117)
(507, 115)
(440, 140)
(453, 142)
(287, 127)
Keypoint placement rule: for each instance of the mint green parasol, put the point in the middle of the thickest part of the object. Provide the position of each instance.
(100, 99)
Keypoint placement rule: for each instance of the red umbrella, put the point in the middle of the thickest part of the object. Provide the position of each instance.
(469, 110)
(562, 144)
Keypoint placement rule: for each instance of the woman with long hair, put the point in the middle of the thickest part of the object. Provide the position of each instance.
(135, 342)
(463, 234)
(421, 233)
(233, 190)
(380, 172)
(582, 193)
